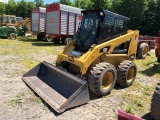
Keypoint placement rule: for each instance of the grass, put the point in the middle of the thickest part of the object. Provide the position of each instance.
(27, 51)
(17, 100)
(148, 66)
(137, 98)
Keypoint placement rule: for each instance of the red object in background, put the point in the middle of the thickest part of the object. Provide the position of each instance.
(158, 47)
(126, 116)
(80, 18)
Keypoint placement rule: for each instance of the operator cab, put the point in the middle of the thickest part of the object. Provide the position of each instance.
(98, 26)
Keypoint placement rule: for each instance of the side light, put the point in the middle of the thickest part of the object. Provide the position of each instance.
(101, 13)
(82, 14)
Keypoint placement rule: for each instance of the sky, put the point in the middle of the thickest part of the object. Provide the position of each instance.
(45, 1)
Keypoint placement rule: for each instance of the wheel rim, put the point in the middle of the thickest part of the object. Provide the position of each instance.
(107, 80)
(13, 37)
(130, 75)
(49, 38)
(67, 41)
(145, 51)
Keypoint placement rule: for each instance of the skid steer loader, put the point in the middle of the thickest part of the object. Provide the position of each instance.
(101, 55)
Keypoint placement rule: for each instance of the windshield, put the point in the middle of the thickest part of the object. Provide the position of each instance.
(13, 20)
(19, 19)
(88, 31)
(6, 19)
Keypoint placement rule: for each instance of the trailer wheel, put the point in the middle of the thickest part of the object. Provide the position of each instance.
(56, 41)
(155, 103)
(40, 37)
(67, 40)
(102, 78)
(13, 36)
(48, 39)
(126, 73)
(158, 59)
(143, 51)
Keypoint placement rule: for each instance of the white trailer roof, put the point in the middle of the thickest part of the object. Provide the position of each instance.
(70, 9)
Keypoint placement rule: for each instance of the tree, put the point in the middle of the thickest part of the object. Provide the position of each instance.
(100, 4)
(21, 9)
(150, 24)
(66, 2)
(115, 5)
(11, 7)
(77, 3)
(2, 8)
(82, 4)
(134, 9)
(30, 6)
(39, 3)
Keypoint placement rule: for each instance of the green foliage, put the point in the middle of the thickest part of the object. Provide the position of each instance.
(11, 7)
(66, 2)
(17, 100)
(100, 4)
(82, 4)
(129, 109)
(39, 3)
(2, 8)
(144, 14)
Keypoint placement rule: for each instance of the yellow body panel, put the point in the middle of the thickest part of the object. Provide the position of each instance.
(94, 56)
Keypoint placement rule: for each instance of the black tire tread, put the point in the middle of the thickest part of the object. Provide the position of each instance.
(155, 103)
(158, 59)
(96, 72)
(122, 69)
(140, 50)
(14, 35)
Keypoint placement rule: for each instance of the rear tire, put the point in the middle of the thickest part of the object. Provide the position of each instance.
(143, 51)
(126, 71)
(102, 78)
(13, 36)
(155, 103)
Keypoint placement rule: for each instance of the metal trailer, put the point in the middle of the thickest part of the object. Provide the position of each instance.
(62, 22)
(38, 22)
(157, 50)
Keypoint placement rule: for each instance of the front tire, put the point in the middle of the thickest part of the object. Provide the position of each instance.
(102, 78)
(155, 103)
(13, 36)
(127, 72)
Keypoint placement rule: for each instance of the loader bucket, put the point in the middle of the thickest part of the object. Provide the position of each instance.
(58, 88)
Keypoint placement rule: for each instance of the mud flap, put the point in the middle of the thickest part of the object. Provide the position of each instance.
(58, 88)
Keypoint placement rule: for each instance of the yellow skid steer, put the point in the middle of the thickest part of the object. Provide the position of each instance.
(102, 54)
